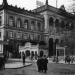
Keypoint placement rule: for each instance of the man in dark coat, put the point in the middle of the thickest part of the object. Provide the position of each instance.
(45, 61)
(38, 64)
(23, 59)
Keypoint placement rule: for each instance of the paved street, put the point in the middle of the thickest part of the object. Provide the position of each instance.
(53, 69)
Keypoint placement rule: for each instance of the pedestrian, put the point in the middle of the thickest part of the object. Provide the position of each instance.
(57, 59)
(65, 59)
(45, 61)
(23, 59)
(42, 64)
(72, 59)
(68, 59)
(39, 64)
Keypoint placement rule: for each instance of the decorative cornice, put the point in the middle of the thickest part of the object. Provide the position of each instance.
(55, 10)
(20, 10)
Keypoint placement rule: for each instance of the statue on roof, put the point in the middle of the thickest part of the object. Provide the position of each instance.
(62, 7)
(4, 2)
(46, 2)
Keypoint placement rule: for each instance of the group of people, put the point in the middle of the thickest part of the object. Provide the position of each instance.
(42, 64)
(69, 59)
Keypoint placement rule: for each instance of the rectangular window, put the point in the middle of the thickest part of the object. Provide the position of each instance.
(39, 26)
(25, 36)
(0, 20)
(31, 36)
(36, 37)
(11, 35)
(25, 25)
(1, 48)
(39, 37)
(0, 34)
(19, 35)
(32, 25)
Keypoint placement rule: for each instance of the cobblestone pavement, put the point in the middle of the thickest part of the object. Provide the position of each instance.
(53, 69)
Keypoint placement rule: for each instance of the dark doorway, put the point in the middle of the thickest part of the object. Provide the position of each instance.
(41, 53)
(50, 47)
(27, 53)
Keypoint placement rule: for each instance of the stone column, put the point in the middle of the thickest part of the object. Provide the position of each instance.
(46, 18)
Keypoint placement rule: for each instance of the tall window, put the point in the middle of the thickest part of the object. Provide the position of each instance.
(11, 34)
(18, 35)
(11, 21)
(32, 25)
(39, 26)
(26, 24)
(56, 22)
(19, 23)
(39, 37)
(0, 20)
(0, 34)
(25, 36)
(35, 36)
(51, 21)
(31, 36)
(62, 24)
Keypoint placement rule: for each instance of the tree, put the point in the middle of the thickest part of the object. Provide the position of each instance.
(71, 7)
(69, 41)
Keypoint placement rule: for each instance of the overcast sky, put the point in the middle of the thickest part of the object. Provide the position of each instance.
(31, 4)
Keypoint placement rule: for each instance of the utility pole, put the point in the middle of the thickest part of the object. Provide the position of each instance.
(56, 4)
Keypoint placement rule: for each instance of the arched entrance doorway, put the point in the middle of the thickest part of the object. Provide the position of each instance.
(27, 53)
(50, 47)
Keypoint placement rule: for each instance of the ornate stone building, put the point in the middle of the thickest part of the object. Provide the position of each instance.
(45, 26)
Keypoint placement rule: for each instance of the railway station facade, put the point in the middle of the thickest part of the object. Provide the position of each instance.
(45, 27)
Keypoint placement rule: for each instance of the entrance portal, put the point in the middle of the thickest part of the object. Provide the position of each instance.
(50, 47)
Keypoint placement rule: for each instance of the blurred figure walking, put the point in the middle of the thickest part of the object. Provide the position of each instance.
(45, 61)
(23, 59)
(72, 59)
(39, 64)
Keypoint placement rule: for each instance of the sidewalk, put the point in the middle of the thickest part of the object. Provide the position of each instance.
(60, 62)
(17, 63)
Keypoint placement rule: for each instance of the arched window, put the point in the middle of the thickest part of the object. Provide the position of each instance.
(51, 21)
(11, 21)
(56, 22)
(62, 24)
(19, 22)
(26, 24)
(50, 46)
(32, 25)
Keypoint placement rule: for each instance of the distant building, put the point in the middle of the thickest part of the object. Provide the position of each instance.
(45, 26)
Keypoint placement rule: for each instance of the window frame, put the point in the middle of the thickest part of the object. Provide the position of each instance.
(11, 21)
